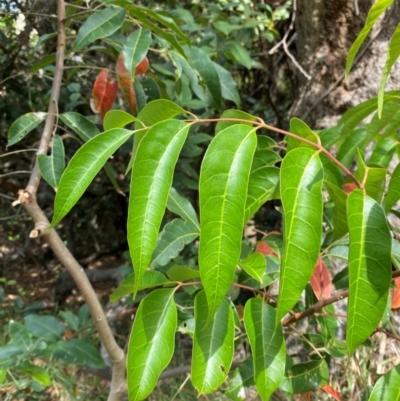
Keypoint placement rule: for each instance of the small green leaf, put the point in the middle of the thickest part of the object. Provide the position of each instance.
(46, 327)
(267, 345)
(224, 181)
(369, 267)
(383, 152)
(387, 388)
(255, 266)
(237, 115)
(152, 173)
(150, 279)
(99, 25)
(305, 377)
(182, 207)
(117, 119)
(151, 343)
(339, 198)
(229, 89)
(3, 376)
(393, 193)
(374, 13)
(301, 193)
(36, 372)
(80, 124)
(83, 167)
(51, 167)
(135, 49)
(302, 130)
(182, 273)
(212, 345)
(242, 378)
(240, 54)
(172, 239)
(348, 150)
(20, 335)
(23, 126)
(79, 352)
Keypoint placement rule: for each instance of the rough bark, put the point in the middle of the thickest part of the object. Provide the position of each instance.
(325, 32)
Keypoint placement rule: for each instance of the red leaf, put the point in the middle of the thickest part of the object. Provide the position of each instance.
(328, 389)
(104, 93)
(321, 281)
(126, 84)
(142, 67)
(349, 187)
(396, 294)
(265, 249)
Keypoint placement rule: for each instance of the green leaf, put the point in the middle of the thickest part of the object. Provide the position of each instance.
(135, 49)
(150, 279)
(267, 345)
(51, 167)
(117, 119)
(339, 198)
(383, 152)
(23, 126)
(255, 266)
(301, 193)
(3, 376)
(182, 273)
(171, 241)
(229, 90)
(80, 124)
(207, 71)
(392, 55)
(302, 130)
(224, 181)
(374, 13)
(44, 62)
(83, 167)
(328, 323)
(393, 193)
(79, 352)
(332, 173)
(151, 344)
(212, 345)
(374, 179)
(235, 115)
(152, 173)
(369, 267)
(20, 335)
(46, 327)
(182, 207)
(36, 372)
(348, 150)
(99, 25)
(240, 54)
(387, 388)
(71, 319)
(305, 377)
(242, 378)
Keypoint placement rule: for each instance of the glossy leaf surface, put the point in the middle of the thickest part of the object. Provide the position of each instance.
(267, 345)
(152, 173)
(80, 124)
(117, 119)
(224, 180)
(83, 167)
(387, 388)
(99, 25)
(302, 130)
(104, 93)
(369, 267)
(301, 193)
(23, 126)
(151, 343)
(182, 207)
(212, 345)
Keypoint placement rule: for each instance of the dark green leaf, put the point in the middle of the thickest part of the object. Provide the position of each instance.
(229, 89)
(51, 167)
(242, 378)
(240, 54)
(393, 193)
(339, 198)
(20, 335)
(151, 344)
(182, 273)
(46, 327)
(80, 124)
(23, 126)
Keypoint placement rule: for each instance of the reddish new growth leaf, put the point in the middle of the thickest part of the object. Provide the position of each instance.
(104, 93)
(126, 84)
(328, 389)
(349, 187)
(142, 67)
(320, 280)
(265, 249)
(396, 294)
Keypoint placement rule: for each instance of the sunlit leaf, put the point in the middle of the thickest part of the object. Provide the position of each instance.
(83, 167)
(301, 193)
(182, 207)
(224, 180)
(369, 267)
(267, 345)
(302, 130)
(151, 343)
(212, 345)
(387, 388)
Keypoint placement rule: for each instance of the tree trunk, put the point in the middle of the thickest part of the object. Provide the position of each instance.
(325, 32)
